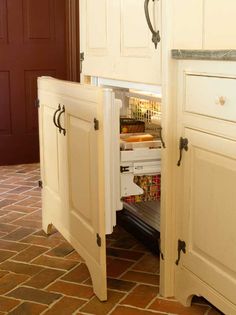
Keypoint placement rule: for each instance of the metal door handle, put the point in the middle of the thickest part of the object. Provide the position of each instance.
(183, 145)
(155, 34)
(59, 122)
(54, 116)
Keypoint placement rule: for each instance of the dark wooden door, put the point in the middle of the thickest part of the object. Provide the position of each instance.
(32, 44)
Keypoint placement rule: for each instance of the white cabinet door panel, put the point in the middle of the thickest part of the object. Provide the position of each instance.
(82, 219)
(51, 145)
(219, 24)
(209, 170)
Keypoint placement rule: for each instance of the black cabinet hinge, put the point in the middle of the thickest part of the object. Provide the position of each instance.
(96, 124)
(81, 61)
(40, 183)
(181, 248)
(37, 103)
(124, 169)
(99, 240)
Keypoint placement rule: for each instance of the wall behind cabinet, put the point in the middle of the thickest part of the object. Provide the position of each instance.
(204, 24)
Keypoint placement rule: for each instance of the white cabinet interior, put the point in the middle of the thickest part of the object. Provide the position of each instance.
(205, 191)
(117, 42)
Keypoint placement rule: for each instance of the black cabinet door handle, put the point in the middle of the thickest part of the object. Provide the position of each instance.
(155, 34)
(55, 114)
(59, 122)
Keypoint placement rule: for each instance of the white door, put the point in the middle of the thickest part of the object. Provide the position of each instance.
(208, 220)
(82, 221)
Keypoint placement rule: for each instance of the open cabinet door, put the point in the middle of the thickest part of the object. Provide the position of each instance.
(82, 219)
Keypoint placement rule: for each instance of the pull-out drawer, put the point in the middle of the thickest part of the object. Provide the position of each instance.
(140, 154)
(211, 96)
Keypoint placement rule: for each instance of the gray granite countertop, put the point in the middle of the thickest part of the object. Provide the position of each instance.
(228, 54)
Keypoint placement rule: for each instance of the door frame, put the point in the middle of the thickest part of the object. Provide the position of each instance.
(73, 40)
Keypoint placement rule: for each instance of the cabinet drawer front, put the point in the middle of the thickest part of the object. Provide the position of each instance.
(211, 96)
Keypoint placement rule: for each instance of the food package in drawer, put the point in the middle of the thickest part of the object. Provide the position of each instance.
(131, 125)
(151, 185)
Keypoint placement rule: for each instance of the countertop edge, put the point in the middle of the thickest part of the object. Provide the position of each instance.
(189, 54)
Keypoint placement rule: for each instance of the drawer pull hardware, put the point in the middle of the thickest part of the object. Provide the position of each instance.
(124, 169)
(96, 124)
(81, 61)
(155, 34)
(221, 100)
(181, 248)
(183, 145)
(55, 114)
(59, 122)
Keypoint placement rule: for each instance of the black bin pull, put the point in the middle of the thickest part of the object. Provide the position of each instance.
(55, 114)
(59, 122)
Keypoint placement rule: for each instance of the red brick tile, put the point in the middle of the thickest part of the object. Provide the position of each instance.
(168, 306)
(4, 227)
(53, 262)
(28, 223)
(75, 256)
(11, 216)
(61, 250)
(13, 246)
(22, 209)
(115, 267)
(28, 201)
(28, 308)
(34, 295)
(30, 253)
(4, 255)
(7, 304)
(149, 263)
(36, 215)
(141, 296)
(126, 242)
(123, 310)
(71, 289)
(78, 275)
(20, 268)
(141, 277)
(3, 273)
(94, 306)
(122, 253)
(14, 197)
(43, 241)
(5, 202)
(10, 281)
(20, 189)
(44, 278)
(66, 305)
(18, 234)
(120, 285)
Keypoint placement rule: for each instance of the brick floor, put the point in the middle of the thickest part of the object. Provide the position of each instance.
(42, 274)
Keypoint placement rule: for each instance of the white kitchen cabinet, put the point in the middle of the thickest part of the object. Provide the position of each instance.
(204, 24)
(205, 187)
(187, 24)
(117, 42)
(92, 175)
(219, 24)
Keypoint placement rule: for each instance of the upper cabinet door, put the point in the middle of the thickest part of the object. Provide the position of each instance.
(117, 42)
(82, 221)
(219, 24)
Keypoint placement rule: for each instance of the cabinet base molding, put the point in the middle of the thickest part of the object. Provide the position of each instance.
(184, 294)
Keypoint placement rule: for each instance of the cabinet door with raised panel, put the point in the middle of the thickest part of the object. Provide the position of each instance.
(117, 42)
(80, 171)
(219, 24)
(208, 219)
(51, 147)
